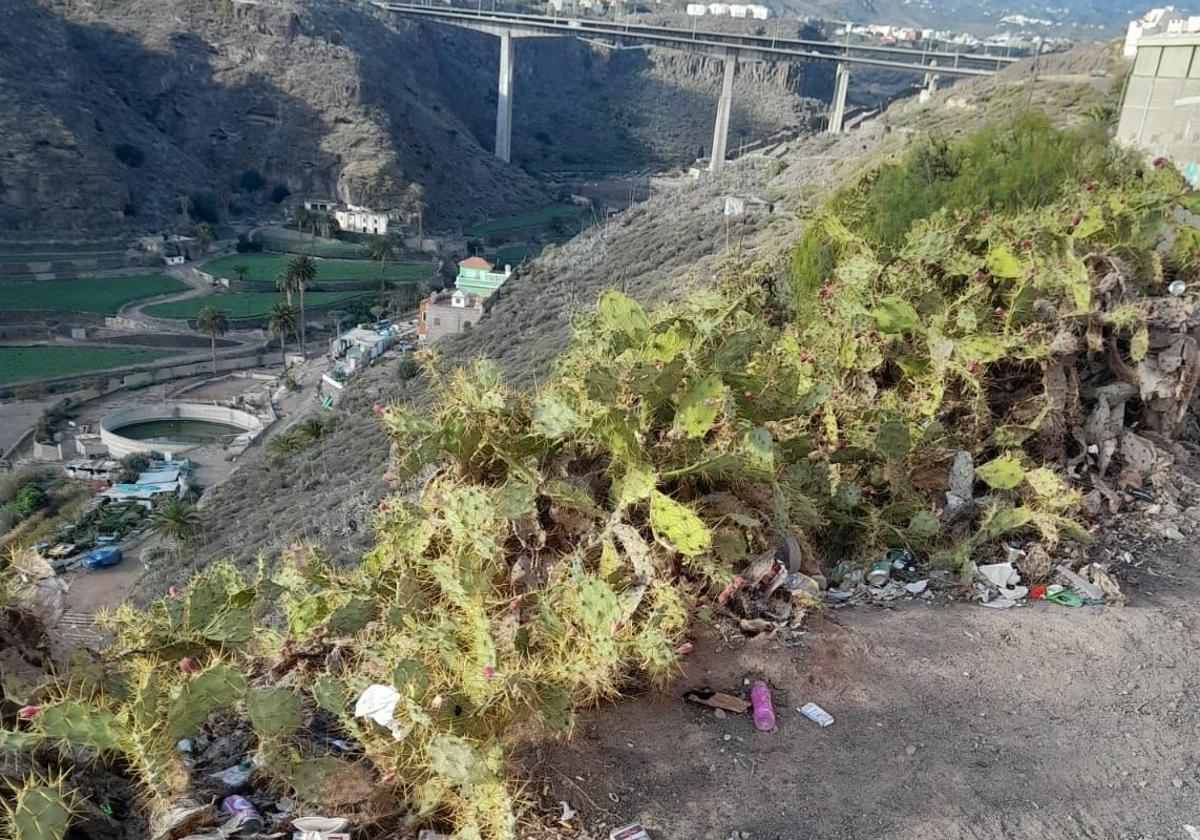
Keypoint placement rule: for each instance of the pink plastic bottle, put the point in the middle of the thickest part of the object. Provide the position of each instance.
(764, 712)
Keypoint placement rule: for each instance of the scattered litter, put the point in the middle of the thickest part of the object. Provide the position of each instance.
(243, 812)
(633, 831)
(184, 817)
(879, 572)
(998, 603)
(235, 776)
(717, 700)
(320, 828)
(378, 702)
(430, 834)
(1000, 575)
(1063, 596)
(568, 813)
(1107, 584)
(1083, 587)
(1037, 593)
(798, 582)
(816, 714)
(106, 809)
(917, 586)
(1177, 288)
(764, 711)
(904, 563)
(755, 625)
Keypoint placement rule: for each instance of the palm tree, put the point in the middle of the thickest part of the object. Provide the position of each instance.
(414, 205)
(299, 273)
(204, 233)
(381, 249)
(177, 521)
(281, 321)
(239, 271)
(213, 322)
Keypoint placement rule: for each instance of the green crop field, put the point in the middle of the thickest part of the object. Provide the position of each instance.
(320, 248)
(56, 256)
(104, 295)
(240, 304)
(18, 364)
(514, 255)
(264, 268)
(521, 221)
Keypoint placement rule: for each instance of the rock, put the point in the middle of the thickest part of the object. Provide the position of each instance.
(1172, 533)
(1177, 782)
(910, 750)
(720, 714)
(962, 475)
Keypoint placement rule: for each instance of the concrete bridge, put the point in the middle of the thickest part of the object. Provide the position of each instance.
(729, 47)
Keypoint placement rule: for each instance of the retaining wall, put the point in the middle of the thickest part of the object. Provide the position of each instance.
(120, 446)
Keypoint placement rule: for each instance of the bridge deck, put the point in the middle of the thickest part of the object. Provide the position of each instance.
(753, 47)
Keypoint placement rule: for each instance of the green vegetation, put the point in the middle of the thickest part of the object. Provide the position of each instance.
(18, 364)
(56, 256)
(1025, 164)
(320, 248)
(239, 304)
(104, 295)
(555, 213)
(514, 255)
(566, 538)
(264, 268)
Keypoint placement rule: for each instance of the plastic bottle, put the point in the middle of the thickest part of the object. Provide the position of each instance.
(764, 712)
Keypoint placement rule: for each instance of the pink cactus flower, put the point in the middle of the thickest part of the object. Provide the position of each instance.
(189, 665)
(488, 672)
(685, 648)
(172, 591)
(377, 408)
(28, 712)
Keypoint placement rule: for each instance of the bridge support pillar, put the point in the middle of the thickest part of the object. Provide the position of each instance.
(504, 100)
(837, 113)
(724, 109)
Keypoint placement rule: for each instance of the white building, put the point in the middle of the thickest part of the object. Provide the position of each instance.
(759, 12)
(562, 7)
(359, 347)
(738, 10)
(697, 9)
(1155, 21)
(718, 9)
(362, 220)
(319, 205)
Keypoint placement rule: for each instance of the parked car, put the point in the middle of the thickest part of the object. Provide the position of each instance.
(98, 558)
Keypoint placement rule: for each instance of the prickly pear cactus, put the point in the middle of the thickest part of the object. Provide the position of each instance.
(40, 809)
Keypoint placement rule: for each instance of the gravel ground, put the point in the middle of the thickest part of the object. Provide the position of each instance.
(953, 721)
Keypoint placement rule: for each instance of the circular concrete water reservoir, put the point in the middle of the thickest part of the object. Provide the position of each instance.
(175, 428)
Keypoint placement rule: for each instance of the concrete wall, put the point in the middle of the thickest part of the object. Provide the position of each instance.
(1160, 112)
(119, 446)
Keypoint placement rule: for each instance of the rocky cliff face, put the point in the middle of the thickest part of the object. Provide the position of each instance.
(112, 111)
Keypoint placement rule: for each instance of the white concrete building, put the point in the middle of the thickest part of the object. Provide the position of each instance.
(1155, 21)
(697, 9)
(562, 7)
(759, 12)
(362, 220)
(738, 10)
(319, 205)
(718, 9)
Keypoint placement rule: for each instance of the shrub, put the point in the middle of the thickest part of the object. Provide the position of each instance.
(252, 181)
(279, 192)
(203, 208)
(131, 156)
(31, 498)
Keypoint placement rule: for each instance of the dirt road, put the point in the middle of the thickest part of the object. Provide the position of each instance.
(953, 721)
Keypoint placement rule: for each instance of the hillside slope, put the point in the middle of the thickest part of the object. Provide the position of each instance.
(111, 110)
(677, 240)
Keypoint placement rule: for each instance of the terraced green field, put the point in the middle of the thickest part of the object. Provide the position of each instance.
(320, 248)
(239, 304)
(19, 364)
(521, 221)
(104, 295)
(53, 256)
(264, 268)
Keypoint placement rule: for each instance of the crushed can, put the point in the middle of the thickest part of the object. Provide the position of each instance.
(633, 831)
(879, 572)
(243, 808)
